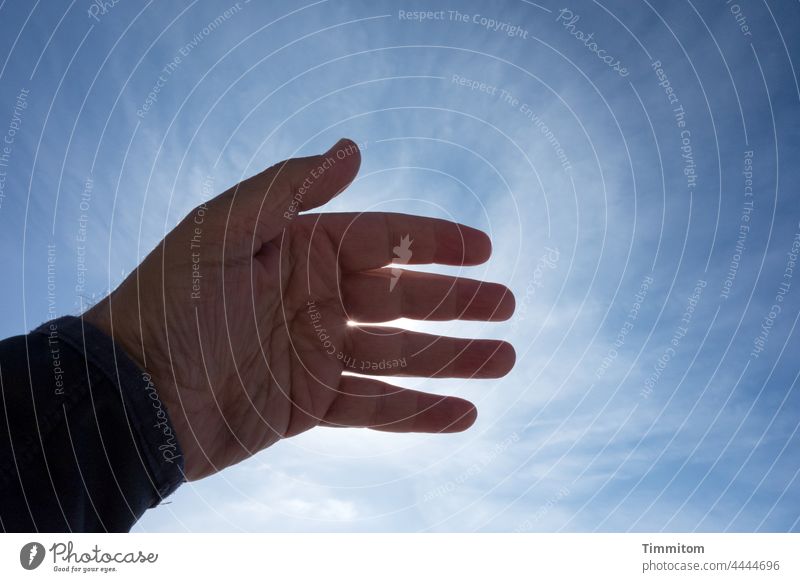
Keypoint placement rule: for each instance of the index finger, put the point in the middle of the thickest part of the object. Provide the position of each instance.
(369, 240)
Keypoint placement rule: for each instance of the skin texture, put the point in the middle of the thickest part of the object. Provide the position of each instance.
(245, 332)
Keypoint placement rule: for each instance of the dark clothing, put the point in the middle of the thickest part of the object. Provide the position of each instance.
(85, 443)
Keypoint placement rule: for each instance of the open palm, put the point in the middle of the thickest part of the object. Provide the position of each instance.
(241, 315)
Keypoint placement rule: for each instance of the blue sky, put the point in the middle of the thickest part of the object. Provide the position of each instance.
(639, 186)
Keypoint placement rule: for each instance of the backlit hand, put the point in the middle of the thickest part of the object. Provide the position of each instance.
(240, 315)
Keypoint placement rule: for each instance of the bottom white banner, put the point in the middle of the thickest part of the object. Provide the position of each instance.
(355, 557)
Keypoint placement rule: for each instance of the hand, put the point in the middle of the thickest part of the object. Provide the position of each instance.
(240, 315)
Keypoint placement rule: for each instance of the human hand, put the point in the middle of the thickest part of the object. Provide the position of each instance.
(240, 315)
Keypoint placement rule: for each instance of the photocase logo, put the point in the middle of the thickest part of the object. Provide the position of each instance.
(402, 254)
(31, 555)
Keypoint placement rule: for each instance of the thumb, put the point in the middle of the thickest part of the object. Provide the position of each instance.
(258, 208)
(305, 183)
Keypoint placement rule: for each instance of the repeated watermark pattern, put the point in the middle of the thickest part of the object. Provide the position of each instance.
(744, 227)
(7, 147)
(779, 299)
(679, 114)
(627, 327)
(491, 24)
(680, 332)
(547, 261)
(632, 164)
(541, 512)
(526, 110)
(100, 8)
(169, 447)
(169, 69)
(568, 19)
(482, 464)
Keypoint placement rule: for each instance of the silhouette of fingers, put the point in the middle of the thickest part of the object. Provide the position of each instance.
(370, 240)
(364, 402)
(386, 294)
(391, 351)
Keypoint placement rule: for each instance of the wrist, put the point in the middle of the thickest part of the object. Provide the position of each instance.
(124, 332)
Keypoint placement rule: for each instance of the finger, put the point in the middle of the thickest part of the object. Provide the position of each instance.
(370, 240)
(260, 206)
(364, 402)
(386, 351)
(387, 294)
(300, 184)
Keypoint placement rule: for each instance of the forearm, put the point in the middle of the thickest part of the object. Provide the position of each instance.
(85, 443)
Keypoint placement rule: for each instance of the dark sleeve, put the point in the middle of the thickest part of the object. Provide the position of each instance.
(85, 443)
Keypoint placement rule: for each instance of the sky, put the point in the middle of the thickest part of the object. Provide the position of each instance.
(635, 164)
